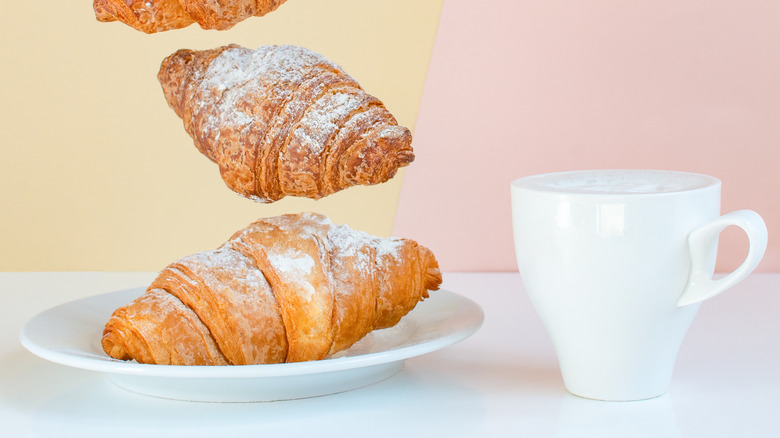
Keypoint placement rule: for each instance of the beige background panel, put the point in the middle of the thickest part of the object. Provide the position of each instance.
(97, 173)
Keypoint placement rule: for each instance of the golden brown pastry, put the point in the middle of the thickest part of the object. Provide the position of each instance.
(152, 16)
(283, 120)
(284, 289)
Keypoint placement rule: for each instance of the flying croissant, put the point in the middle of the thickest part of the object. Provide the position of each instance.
(283, 120)
(290, 288)
(151, 16)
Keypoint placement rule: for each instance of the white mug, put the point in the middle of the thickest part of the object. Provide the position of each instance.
(616, 263)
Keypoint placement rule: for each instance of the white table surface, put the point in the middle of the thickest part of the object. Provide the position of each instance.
(502, 381)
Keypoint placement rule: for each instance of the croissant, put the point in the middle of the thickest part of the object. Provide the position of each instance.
(283, 120)
(152, 16)
(290, 288)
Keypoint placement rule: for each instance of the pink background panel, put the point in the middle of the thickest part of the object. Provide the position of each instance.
(522, 87)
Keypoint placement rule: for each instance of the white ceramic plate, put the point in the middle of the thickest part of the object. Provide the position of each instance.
(70, 334)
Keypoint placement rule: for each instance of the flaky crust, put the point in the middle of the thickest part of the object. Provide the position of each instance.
(151, 16)
(285, 289)
(283, 120)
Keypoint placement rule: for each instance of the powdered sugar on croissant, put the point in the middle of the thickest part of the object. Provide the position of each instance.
(283, 120)
(151, 16)
(284, 289)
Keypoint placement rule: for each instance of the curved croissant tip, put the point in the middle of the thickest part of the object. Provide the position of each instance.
(403, 141)
(170, 76)
(396, 142)
(405, 157)
(104, 11)
(112, 345)
(433, 277)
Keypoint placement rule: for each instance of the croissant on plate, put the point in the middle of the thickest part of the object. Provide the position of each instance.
(152, 16)
(285, 289)
(283, 120)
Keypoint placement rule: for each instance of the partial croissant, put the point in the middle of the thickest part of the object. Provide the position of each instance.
(286, 289)
(283, 120)
(151, 16)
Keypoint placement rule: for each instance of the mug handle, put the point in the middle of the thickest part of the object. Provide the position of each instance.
(702, 243)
